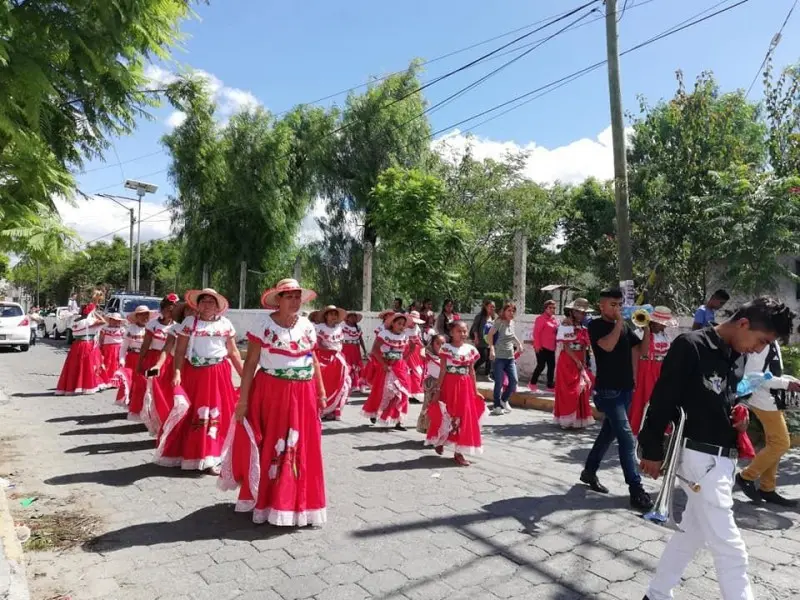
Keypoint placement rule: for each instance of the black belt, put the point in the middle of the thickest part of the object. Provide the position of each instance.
(712, 449)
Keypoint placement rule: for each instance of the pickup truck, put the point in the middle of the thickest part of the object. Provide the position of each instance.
(59, 324)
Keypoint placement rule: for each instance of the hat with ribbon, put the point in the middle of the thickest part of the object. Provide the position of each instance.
(193, 296)
(140, 310)
(663, 316)
(269, 299)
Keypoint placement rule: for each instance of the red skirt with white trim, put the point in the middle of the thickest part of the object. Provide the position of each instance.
(79, 375)
(336, 379)
(388, 400)
(647, 375)
(416, 368)
(275, 454)
(132, 386)
(572, 409)
(193, 434)
(158, 396)
(109, 354)
(352, 356)
(455, 420)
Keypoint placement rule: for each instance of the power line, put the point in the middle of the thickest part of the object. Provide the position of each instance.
(776, 39)
(124, 162)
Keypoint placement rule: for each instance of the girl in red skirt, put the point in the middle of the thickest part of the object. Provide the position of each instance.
(274, 452)
(204, 398)
(335, 371)
(110, 342)
(456, 408)
(372, 368)
(354, 350)
(433, 367)
(81, 371)
(387, 403)
(651, 358)
(416, 358)
(131, 384)
(157, 372)
(572, 409)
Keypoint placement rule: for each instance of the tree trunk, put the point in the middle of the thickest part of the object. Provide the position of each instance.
(520, 270)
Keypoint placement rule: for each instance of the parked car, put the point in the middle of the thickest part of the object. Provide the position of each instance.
(127, 303)
(59, 324)
(15, 326)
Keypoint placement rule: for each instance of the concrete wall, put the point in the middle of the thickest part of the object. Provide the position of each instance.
(243, 320)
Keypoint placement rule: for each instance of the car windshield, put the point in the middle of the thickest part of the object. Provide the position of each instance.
(151, 303)
(10, 310)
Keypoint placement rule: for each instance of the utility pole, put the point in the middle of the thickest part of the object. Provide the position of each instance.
(242, 283)
(130, 244)
(141, 188)
(618, 137)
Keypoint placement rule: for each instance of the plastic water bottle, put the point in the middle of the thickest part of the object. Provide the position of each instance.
(750, 382)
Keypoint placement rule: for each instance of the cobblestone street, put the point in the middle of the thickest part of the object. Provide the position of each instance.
(403, 523)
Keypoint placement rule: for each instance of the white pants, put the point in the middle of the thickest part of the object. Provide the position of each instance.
(707, 522)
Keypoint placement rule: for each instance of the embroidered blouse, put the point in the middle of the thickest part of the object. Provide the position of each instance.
(286, 353)
(659, 346)
(433, 365)
(352, 335)
(459, 358)
(208, 340)
(159, 333)
(111, 335)
(330, 338)
(574, 337)
(392, 345)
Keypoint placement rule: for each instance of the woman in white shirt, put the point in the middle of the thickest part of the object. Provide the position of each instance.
(204, 396)
(80, 373)
(274, 452)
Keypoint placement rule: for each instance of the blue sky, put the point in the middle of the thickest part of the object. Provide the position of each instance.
(283, 53)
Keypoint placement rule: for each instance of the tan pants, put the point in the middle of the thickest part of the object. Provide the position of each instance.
(764, 466)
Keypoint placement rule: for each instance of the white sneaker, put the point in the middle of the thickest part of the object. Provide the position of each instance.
(506, 407)
(498, 411)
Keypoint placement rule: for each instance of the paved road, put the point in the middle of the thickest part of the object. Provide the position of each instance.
(403, 524)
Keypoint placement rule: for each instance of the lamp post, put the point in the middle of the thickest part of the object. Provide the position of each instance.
(141, 188)
(130, 244)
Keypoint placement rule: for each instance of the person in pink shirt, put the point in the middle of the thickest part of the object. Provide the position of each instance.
(544, 344)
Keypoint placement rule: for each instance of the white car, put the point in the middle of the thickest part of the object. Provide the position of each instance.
(59, 324)
(15, 326)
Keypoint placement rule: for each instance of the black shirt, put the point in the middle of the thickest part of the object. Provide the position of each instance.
(615, 368)
(699, 374)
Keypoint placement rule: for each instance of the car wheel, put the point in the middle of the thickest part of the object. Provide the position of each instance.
(24, 348)
(56, 334)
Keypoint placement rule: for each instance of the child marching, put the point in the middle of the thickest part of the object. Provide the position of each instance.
(572, 408)
(111, 336)
(354, 350)
(416, 357)
(456, 408)
(80, 373)
(334, 368)
(131, 384)
(433, 365)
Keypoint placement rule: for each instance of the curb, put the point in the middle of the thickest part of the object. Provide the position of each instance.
(529, 400)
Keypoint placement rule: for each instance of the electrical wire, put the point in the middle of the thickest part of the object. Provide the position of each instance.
(772, 45)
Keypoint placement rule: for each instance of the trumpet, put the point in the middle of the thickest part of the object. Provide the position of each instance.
(662, 509)
(640, 318)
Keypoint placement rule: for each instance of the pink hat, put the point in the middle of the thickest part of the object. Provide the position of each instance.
(269, 299)
(192, 296)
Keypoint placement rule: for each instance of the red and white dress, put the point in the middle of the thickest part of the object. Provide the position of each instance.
(334, 368)
(110, 341)
(455, 420)
(372, 368)
(158, 394)
(351, 349)
(572, 408)
(194, 432)
(416, 365)
(81, 371)
(131, 384)
(433, 367)
(388, 400)
(275, 453)
(647, 373)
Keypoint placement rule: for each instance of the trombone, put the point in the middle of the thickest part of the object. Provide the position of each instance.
(662, 509)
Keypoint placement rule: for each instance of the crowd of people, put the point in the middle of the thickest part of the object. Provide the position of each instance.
(173, 369)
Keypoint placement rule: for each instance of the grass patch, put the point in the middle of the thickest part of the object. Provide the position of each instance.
(59, 531)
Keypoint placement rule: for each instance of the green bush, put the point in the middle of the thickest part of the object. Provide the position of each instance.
(791, 366)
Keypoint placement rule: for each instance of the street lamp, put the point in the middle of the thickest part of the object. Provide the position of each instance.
(141, 188)
(130, 244)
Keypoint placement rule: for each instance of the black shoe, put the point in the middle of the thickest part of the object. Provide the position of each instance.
(400, 427)
(641, 500)
(748, 487)
(594, 484)
(373, 420)
(775, 498)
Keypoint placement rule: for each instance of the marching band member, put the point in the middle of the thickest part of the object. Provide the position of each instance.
(131, 384)
(111, 336)
(79, 375)
(335, 372)
(416, 358)
(387, 403)
(650, 355)
(204, 397)
(456, 408)
(767, 402)
(433, 366)
(354, 349)
(275, 450)
(700, 375)
(572, 409)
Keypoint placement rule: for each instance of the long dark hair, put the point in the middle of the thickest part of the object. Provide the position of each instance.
(446, 302)
(485, 308)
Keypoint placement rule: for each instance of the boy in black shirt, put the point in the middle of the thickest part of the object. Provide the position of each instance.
(615, 348)
(700, 375)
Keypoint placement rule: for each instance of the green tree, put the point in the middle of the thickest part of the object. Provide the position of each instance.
(72, 75)
(782, 108)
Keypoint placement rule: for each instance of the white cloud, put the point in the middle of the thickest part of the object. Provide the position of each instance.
(176, 119)
(309, 230)
(571, 163)
(97, 216)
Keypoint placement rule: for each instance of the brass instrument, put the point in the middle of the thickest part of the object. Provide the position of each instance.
(662, 509)
(640, 318)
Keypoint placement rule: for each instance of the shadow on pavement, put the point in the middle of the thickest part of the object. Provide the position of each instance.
(46, 394)
(423, 462)
(344, 430)
(120, 429)
(209, 523)
(113, 447)
(404, 445)
(123, 477)
(91, 419)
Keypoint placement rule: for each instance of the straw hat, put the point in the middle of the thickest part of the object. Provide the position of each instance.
(192, 296)
(139, 310)
(414, 316)
(385, 313)
(340, 312)
(663, 316)
(581, 304)
(269, 299)
(392, 316)
(357, 315)
(115, 317)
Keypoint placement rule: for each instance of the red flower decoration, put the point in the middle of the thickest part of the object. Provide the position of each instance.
(294, 345)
